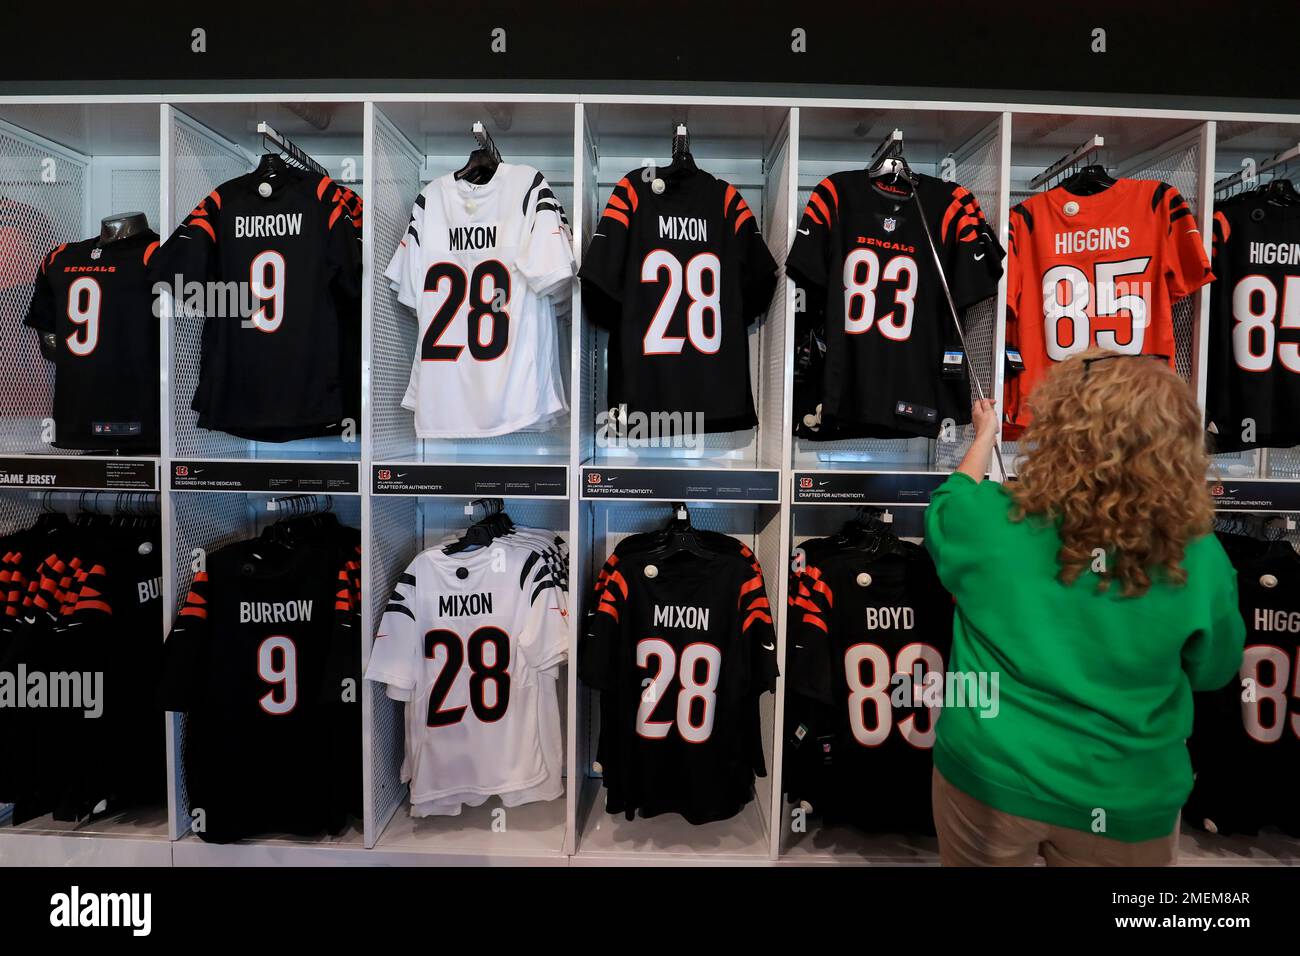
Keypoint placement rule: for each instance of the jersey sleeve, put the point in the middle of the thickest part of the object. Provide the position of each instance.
(404, 271)
(191, 252)
(544, 640)
(185, 651)
(757, 634)
(342, 251)
(598, 656)
(343, 664)
(808, 659)
(41, 314)
(604, 262)
(757, 267)
(396, 653)
(546, 255)
(1186, 266)
(809, 262)
(971, 252)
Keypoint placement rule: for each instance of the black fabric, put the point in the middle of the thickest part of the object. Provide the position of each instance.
(1245, 742)
(669, 249)
(1253, 389)
(271, 377)
(83, 599)
(859, 725)
(257, 660)
(700, 620)
(875, 324)
(98, 302)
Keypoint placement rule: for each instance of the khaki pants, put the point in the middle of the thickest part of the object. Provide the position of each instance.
(974, 834)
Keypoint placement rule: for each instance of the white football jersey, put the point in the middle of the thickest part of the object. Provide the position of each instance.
(479, 264)
(475, 658)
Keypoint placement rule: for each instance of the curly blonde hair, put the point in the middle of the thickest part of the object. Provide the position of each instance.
(1116, 456)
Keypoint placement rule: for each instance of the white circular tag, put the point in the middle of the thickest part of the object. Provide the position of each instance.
(1268, 580)
(264, 189)
(1071, 208)
(805, 806)
(146, 547)
(596, 767)
(470, 206)
(651, 571)
(810, 420)
(658, 186)
(864, 580)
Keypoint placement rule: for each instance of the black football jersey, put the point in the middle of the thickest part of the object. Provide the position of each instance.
(252, 659)
(892, 365)
(1245, 743)
(275, 374)
(1253, 390)
(97, 301)
(870, 637)
(677, 277)
(680, 657)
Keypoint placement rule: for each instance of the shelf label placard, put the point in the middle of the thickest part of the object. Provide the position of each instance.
(273, 477)
(758, 486)
(472, 481)
(79, 473)
(865, 488)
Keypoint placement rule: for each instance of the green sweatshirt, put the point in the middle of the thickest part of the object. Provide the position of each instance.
(1087, 696)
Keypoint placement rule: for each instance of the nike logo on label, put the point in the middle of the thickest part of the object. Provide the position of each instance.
(979, 257)
(804, 232)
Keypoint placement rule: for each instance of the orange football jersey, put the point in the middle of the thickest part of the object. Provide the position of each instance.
(1107, 275)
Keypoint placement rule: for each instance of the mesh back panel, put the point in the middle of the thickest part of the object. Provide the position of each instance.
(394, 541)
(37, 216)
(394, 183)
(772, 358)
(202, 521)
(201, 164)
(133, 189)
(978, 171)
(1180, 169)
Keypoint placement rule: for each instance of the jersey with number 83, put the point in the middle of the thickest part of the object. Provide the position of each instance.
(1102, 270)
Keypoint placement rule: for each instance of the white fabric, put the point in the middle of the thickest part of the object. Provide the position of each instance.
(521, 388)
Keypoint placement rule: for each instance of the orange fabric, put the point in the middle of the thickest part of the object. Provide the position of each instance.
(1134, 243)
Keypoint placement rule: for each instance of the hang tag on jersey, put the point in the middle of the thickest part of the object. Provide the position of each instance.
(800, 733)
(952, 363)
(827, 747)
(1015, 362)
(918, 413)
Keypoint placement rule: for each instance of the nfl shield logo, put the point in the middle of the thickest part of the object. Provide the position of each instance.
(890, 223)
(96, 252)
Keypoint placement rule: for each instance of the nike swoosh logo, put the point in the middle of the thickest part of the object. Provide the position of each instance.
(980, 256)
(769, 647)
(804, 232)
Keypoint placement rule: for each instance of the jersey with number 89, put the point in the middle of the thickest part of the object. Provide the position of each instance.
(1101, 270)
(677, 275)
(869, 639)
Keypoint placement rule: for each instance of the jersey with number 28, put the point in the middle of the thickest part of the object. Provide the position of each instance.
(481, 265)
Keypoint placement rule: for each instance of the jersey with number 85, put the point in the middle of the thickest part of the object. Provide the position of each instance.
(1102, 270)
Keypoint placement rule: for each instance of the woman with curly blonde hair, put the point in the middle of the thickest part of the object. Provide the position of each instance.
(1092, 598)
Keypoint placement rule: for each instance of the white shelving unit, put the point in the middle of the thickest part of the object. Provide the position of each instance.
(162, 153)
